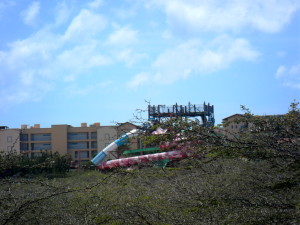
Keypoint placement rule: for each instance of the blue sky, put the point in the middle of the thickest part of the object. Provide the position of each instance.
(73, 61)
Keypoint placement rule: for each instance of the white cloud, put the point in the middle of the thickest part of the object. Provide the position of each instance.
(27, 77)
(80, 58)
(123, 36)
(33, 66)
(292, 85)
(120, 43)
(289, 76)
(85, 25)
(281, 71)
(295, 70)
(281, 54)
(138, 80)
(76, 90)
(5, 5)
(95, 4)
(193, 58)
(26, 92)
(23, 74)
(62, 13)
(2, 56)
(126, 12)
(129, 57)
(197, 16)
(29, 15)
(37, 48)
(31, 53)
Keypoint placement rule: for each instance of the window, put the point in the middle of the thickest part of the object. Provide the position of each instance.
(41, 137)
(9, 139)
(78, 136)
(40, 146)
(78, 145)
(243, 126)
(24, 137)
(83, 155)
(94, 135)
(36, 154)
(23, 147)
(94, 144)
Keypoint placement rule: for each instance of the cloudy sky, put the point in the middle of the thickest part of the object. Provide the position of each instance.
(73, 61)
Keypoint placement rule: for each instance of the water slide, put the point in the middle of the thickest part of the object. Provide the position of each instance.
(125, 162)
(142, 159)
(114, 145)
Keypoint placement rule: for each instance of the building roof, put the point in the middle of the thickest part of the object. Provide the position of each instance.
(234, 115)
(242, 115)
(126, 123)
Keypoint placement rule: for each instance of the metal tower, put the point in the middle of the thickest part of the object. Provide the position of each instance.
(205, 112)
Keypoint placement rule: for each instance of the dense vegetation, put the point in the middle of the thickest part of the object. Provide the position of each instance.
(13, 164)
(252, 177)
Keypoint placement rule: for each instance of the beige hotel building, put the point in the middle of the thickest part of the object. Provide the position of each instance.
(81, 143)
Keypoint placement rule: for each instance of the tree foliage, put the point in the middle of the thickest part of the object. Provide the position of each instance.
(13, 164)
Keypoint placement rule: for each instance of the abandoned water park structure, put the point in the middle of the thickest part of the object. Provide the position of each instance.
(155, 114)
(84, 142)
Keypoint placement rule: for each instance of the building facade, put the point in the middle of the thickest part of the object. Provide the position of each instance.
(231, 126)
(9, 140)
(81, 143)
(107, 134)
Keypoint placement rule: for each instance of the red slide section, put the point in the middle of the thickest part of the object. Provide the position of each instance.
(142, 159)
